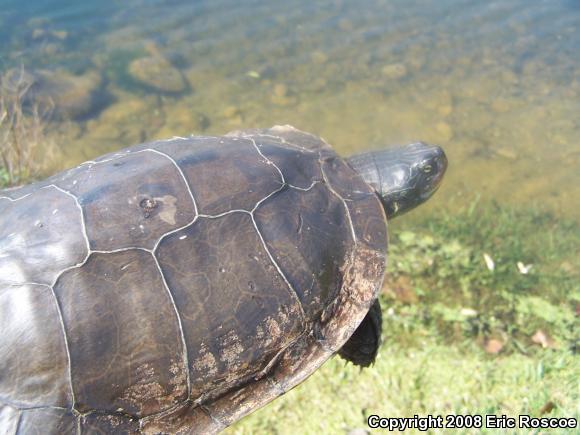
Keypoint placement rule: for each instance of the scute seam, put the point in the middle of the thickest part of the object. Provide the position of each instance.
(282, 141)
(58, 306)
(18, 422)
(66, 345)
(153, 251)
(274, 262)
(216, 420)
(180, 324)
(268, 367)
(283, 185)
(31, 408)
(59, 310)
(180, 173)
(51, 287)
(335, 193)
(15, 199)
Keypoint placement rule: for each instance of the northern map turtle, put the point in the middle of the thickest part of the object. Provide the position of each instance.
(178, 285)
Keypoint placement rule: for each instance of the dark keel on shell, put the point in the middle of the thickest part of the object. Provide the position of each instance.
(175, 286)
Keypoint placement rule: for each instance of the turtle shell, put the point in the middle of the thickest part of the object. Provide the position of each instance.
(178, 285)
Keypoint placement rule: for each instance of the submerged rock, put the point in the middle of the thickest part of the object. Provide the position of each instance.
(157, 72)
(47, 34)
(71, 96)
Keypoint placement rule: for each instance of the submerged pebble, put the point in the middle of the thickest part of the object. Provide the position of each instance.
(506, 153)
(445, 131)
(500, 105)
(280, 90)
(232, 112)
(394, 71)
(445, 110)
(318, 57)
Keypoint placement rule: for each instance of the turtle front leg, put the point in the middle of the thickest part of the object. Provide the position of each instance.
(362, 347)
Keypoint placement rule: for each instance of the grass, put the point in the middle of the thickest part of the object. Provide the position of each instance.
(459, 338)
(24, 147)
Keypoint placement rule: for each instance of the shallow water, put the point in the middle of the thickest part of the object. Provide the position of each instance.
(496, 83)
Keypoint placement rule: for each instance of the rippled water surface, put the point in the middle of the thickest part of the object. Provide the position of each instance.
(497, 83)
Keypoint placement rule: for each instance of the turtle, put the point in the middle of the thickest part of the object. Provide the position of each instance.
(178, 285)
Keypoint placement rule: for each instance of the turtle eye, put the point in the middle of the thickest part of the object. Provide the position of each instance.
(427, 169)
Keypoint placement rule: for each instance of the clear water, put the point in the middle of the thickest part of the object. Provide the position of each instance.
(496, 83)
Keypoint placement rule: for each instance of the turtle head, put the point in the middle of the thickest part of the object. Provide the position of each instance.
(403, 177)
